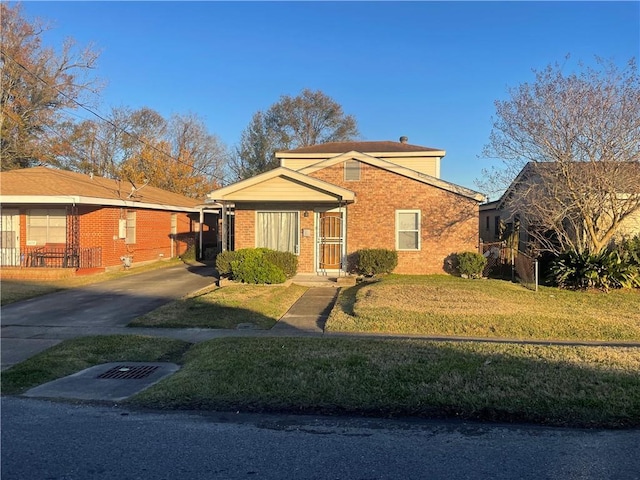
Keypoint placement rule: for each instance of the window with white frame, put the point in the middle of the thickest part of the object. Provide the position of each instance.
(46, 225)
(407, 229)
(277, 231)
(131, 227)
(352, 170)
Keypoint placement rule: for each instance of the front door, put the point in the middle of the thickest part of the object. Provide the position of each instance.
(10, 238)
(330, 240)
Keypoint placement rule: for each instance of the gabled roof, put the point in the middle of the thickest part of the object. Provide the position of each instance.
(624, 170)
(392, 167)
(299, 187)
(376, 149)
(48, 185)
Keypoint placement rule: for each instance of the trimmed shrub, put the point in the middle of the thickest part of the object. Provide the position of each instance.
(250, 265)
(375, 261)
(605, 270)
(286, 261)
(189, 255)
(471, 264)
(223, 262)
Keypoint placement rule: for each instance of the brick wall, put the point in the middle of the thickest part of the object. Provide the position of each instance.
(449, 222)
(98, 227)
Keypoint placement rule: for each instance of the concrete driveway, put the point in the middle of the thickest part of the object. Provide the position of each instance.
(34, 325)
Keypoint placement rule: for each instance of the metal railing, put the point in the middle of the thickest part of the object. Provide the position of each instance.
(61, 257)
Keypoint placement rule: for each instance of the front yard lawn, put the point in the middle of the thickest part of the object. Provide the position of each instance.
(226, 307)
(444, 305)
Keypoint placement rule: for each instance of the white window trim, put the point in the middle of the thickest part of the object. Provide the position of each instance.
(47, 213)
(419, 231)
(131, 228)
(298, 233)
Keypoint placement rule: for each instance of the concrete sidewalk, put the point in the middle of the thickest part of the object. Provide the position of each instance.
(309, 314)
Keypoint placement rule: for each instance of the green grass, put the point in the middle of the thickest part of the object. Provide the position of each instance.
(77, 354)
(12, 290)
(554, 385)
(226, 307)
(579, 386)
(444, 305)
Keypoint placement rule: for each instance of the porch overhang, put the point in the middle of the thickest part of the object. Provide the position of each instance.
(83, 200)
(282, 185)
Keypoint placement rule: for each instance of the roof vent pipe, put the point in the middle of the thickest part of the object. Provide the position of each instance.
(404, 139)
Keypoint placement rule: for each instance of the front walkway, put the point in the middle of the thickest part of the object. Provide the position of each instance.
(309, 314)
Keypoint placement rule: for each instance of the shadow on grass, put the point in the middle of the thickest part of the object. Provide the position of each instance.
(204, 315)
(553, 385)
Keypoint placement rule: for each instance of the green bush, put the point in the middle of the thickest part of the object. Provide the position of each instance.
(605, 270)
(629, 249)
(471, 264)
(251, 265)
(286, 261)
(189, 255)
(374, 261)
(223, 262)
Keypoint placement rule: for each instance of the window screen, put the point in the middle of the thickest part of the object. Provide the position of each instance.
(352, 170)
(46, 226)
(131, 227)
(408, 229)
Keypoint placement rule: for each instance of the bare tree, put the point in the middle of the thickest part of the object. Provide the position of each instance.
(572, 143)
(186, 159)
(255, 153)
(307, 119)
(38, 84)
(100, 146)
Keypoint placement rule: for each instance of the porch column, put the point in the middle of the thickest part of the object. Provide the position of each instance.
(200, 232)
(224, 226)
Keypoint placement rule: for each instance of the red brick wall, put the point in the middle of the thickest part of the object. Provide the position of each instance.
(449, 222)
(98, 227)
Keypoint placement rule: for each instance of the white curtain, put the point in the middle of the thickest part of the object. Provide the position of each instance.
(278, 231)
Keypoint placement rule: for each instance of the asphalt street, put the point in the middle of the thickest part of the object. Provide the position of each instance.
(44, 440)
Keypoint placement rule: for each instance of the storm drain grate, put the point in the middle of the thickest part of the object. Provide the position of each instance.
(128, 372)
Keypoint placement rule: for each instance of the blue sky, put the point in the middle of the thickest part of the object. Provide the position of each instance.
(427, 70)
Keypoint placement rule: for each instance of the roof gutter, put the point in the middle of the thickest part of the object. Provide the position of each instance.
(78, 200)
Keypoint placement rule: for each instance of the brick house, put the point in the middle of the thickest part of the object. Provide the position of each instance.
(327, 201)
(56, 223)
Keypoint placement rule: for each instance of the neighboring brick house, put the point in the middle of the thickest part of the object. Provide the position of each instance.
(70, 222)
(327, 201)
